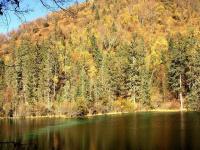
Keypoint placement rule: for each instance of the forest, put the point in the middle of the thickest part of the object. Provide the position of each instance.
(112, 56)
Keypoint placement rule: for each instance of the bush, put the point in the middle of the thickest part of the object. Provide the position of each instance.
(6, 108)
(35, 30)
(99, 107)
(45, 25)
(123, 105)
(82, 107)
(23, 109)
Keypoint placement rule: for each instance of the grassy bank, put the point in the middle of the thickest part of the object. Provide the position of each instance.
(82, 108)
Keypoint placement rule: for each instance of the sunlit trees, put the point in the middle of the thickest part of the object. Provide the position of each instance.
(184, 69)
(96, 63)
(158, 61)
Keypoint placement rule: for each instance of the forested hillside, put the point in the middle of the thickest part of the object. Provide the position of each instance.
(112, 55)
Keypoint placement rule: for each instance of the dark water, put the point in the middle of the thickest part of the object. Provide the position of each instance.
(138, 131)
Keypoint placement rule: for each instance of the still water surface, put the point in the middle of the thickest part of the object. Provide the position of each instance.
(137, 131)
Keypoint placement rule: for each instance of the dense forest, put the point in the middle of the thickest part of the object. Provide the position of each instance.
(112, 56)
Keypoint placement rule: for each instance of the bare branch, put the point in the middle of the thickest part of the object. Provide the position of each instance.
(7, 6)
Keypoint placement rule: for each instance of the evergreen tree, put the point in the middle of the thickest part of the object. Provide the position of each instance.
(193, 74)
(96, 51)
(178, 67)
(2, 79)
(116, 69)
(97, 16)
(137, 80)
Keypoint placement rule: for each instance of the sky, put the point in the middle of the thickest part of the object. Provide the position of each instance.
(38, 10)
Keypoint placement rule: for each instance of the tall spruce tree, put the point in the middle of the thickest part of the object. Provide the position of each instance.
(137, 80)
(178, 67)
(193, 73)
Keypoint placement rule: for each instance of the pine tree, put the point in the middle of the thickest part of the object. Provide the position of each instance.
(116, 70)
(137, 80)
(96, 51)
(45, 75)
(97, 16)
(2, 79)
(28, 74)
(193, 74)
(178, 67)
(103, 80)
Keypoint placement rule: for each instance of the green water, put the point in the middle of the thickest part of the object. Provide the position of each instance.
(137, 131)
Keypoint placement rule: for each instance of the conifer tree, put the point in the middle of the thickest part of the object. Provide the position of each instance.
(193, 73)
(178, 67)
(2, 79)
(96, 51)
(137, 80)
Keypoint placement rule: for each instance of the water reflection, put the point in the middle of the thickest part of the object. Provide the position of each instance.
(138, 131)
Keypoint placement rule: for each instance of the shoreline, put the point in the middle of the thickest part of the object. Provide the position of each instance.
(93, 115)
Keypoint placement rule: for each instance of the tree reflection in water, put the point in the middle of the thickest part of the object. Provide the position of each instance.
(135, 131)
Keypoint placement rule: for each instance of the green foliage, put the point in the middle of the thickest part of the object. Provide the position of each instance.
(193, 75)
(137, 75)
(96, 51)
(185, 63)
(179, 64)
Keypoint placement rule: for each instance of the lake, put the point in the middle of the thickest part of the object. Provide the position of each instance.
(135, 131)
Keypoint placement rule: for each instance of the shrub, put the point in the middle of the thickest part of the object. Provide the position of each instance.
(45, 25)
(82, 107)
(123, 105)
(35, 30)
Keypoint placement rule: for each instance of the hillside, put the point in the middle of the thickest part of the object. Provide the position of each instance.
(113, 55)
(148, 18)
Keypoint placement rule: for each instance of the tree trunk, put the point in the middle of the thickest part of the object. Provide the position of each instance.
(54, 85)
(134, 96)
(180, 94)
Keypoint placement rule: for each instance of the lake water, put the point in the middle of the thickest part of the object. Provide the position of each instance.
(136, 131)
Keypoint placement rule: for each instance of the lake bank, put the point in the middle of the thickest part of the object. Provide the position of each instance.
(93, 115)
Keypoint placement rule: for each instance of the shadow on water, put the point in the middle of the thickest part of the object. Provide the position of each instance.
(137, 131)
(62, 125)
